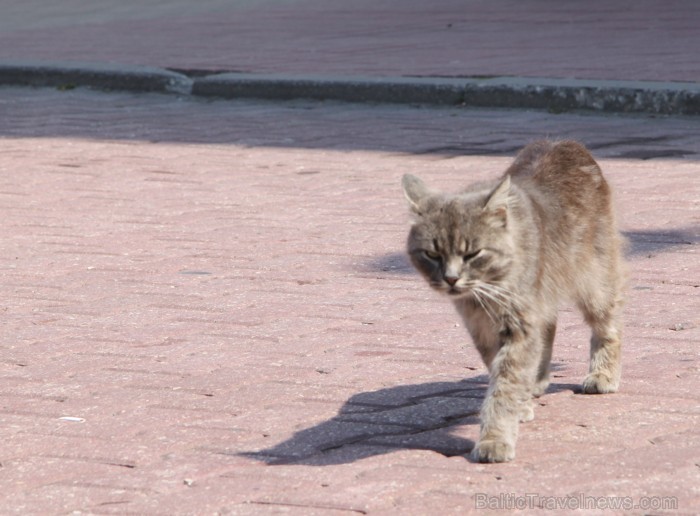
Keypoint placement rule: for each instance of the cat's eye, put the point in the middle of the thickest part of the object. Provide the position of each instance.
(470, 256)
(433, 255)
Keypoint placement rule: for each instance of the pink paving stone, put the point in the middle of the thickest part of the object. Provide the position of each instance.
(200, 299)
(199, 281)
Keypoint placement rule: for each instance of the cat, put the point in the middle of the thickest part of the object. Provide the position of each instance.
(506, 252)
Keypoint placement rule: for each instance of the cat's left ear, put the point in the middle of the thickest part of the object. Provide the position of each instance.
(415, 191)
(497, 203)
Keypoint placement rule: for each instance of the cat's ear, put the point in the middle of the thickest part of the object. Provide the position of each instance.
(496, 206)
(415, 191)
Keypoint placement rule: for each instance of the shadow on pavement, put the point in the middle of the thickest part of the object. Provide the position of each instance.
(394, 263)
(435, 133)
(660, 240)
(408, 417)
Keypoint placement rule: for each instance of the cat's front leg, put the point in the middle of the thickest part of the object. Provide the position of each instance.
(508, 399)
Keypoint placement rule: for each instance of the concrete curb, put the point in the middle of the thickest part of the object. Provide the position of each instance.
(100, 76)
(401, 90)
(558, 95)
(554, 95)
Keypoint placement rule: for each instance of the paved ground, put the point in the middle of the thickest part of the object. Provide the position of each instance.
(217, 290)
(206, 308)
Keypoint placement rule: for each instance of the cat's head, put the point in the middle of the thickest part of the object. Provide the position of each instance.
(460, 243)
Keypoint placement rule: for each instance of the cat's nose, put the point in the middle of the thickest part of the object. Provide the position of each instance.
(451, 280)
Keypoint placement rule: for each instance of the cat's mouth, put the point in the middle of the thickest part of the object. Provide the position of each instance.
(455, 291)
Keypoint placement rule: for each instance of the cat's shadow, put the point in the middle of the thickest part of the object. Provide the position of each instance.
(407, 417)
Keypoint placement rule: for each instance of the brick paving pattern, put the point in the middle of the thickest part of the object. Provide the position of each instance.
(206, 305)
(217, 291)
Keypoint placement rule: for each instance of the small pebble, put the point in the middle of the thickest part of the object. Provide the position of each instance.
(72, 419)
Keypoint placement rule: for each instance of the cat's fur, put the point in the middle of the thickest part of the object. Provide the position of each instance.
(506, 253)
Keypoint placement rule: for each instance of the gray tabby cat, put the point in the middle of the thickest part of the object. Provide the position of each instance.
(506, 253)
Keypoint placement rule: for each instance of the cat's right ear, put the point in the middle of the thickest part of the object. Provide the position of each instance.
(415, 191)
(497, 204)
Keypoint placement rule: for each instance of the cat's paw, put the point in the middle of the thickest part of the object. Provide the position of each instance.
(493, 451)
(540, 388)
(527, 412)
(597, 383)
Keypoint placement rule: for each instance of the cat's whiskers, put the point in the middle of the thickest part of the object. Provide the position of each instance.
(499, 304)
(499, 296)
(484, 305)
(482, 298)
(502, 293)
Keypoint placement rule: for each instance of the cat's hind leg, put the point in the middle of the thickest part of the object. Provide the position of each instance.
(604, 371)
(602, 311)
(542, 380)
